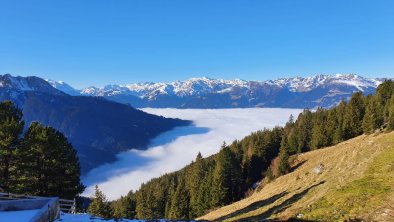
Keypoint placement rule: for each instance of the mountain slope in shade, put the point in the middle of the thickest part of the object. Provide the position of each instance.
(97, 128)
(310, 92)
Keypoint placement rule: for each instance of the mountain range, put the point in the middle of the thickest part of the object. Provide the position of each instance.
(298, 92)
(101, 122)
(97, 128)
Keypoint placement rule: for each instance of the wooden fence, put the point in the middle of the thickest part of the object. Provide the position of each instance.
(66, 206)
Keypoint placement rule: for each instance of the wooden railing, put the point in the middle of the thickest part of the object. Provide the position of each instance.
(12, 196)
(66, 206)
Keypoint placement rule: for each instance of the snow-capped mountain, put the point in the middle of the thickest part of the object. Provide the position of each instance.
(299, 84)
(64, 87)
(297, 92)
(31, 83)
(97, 128)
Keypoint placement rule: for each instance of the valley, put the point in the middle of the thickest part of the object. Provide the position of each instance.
(175, 149)
(170, 111)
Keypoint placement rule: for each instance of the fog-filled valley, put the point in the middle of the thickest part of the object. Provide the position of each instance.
(177, 148)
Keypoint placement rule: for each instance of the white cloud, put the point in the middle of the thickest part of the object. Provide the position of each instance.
(212, 127)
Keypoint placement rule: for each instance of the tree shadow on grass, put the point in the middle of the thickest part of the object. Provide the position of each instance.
(254, 206)
(297, 166)
(281, 207)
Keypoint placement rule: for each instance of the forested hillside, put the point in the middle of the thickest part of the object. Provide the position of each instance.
(351, 181)
(211, 182)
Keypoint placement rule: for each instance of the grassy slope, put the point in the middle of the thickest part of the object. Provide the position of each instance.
(357, 181)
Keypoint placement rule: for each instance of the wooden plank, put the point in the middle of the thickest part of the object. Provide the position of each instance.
(66, 205)
(66, 201)
(63, 204)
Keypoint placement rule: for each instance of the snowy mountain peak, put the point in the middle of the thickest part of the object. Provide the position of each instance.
(62, 86)
(305, 84)
(204, 85)
(319, 90)
(30, 83)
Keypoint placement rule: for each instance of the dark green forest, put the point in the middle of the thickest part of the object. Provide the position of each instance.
(39, 161)
(231, 174)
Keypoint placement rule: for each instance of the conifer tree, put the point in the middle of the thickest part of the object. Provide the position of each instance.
(11, 126)
(171, 192)
(338, 135)
(226, 178)
(221, 179)
(384, 92)
(390, 121)
(284, 165)
(354, 115)
(180, 208)
(193, 181)
(204, 194)
(319, 130)
(373, 117)
(303, 131)
(99, 205)
(144, 203)
(125, 206)
(47, 164)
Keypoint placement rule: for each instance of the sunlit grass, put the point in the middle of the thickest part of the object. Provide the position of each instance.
(362, 196)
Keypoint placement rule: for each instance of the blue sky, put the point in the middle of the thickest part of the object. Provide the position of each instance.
(99, 42)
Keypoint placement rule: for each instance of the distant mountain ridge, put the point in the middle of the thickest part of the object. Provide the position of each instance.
(97, 128)
(297, 92)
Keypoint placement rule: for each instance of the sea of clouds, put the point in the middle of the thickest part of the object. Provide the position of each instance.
(174, 149)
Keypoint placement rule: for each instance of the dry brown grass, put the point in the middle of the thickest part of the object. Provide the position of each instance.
(298, 191)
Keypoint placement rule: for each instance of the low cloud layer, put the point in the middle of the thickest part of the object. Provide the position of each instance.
(177, 148)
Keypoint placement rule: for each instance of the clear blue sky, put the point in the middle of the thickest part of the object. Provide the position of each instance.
(98, 42)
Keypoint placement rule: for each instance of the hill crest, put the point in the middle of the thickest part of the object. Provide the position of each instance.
(356, 181)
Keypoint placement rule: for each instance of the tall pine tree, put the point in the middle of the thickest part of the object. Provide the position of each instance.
(125, 206)
(390, 121)
(373, 117)
(180, 209)
(11, 127)
(47, 164)
(284, 165)
(354, 114)
(100, 206)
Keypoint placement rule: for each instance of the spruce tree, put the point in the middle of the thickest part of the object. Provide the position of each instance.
(354, 114)
(284, 165)
(99, 205)
(11, 126)
(339, 135)
(47, 164)
(193, 180)
(303, 131)
(373, 117)
(180, 208)
(125, 206)
(226, 178)
(204, 196)
(319, 130)
(384, 92)
(390, 121)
